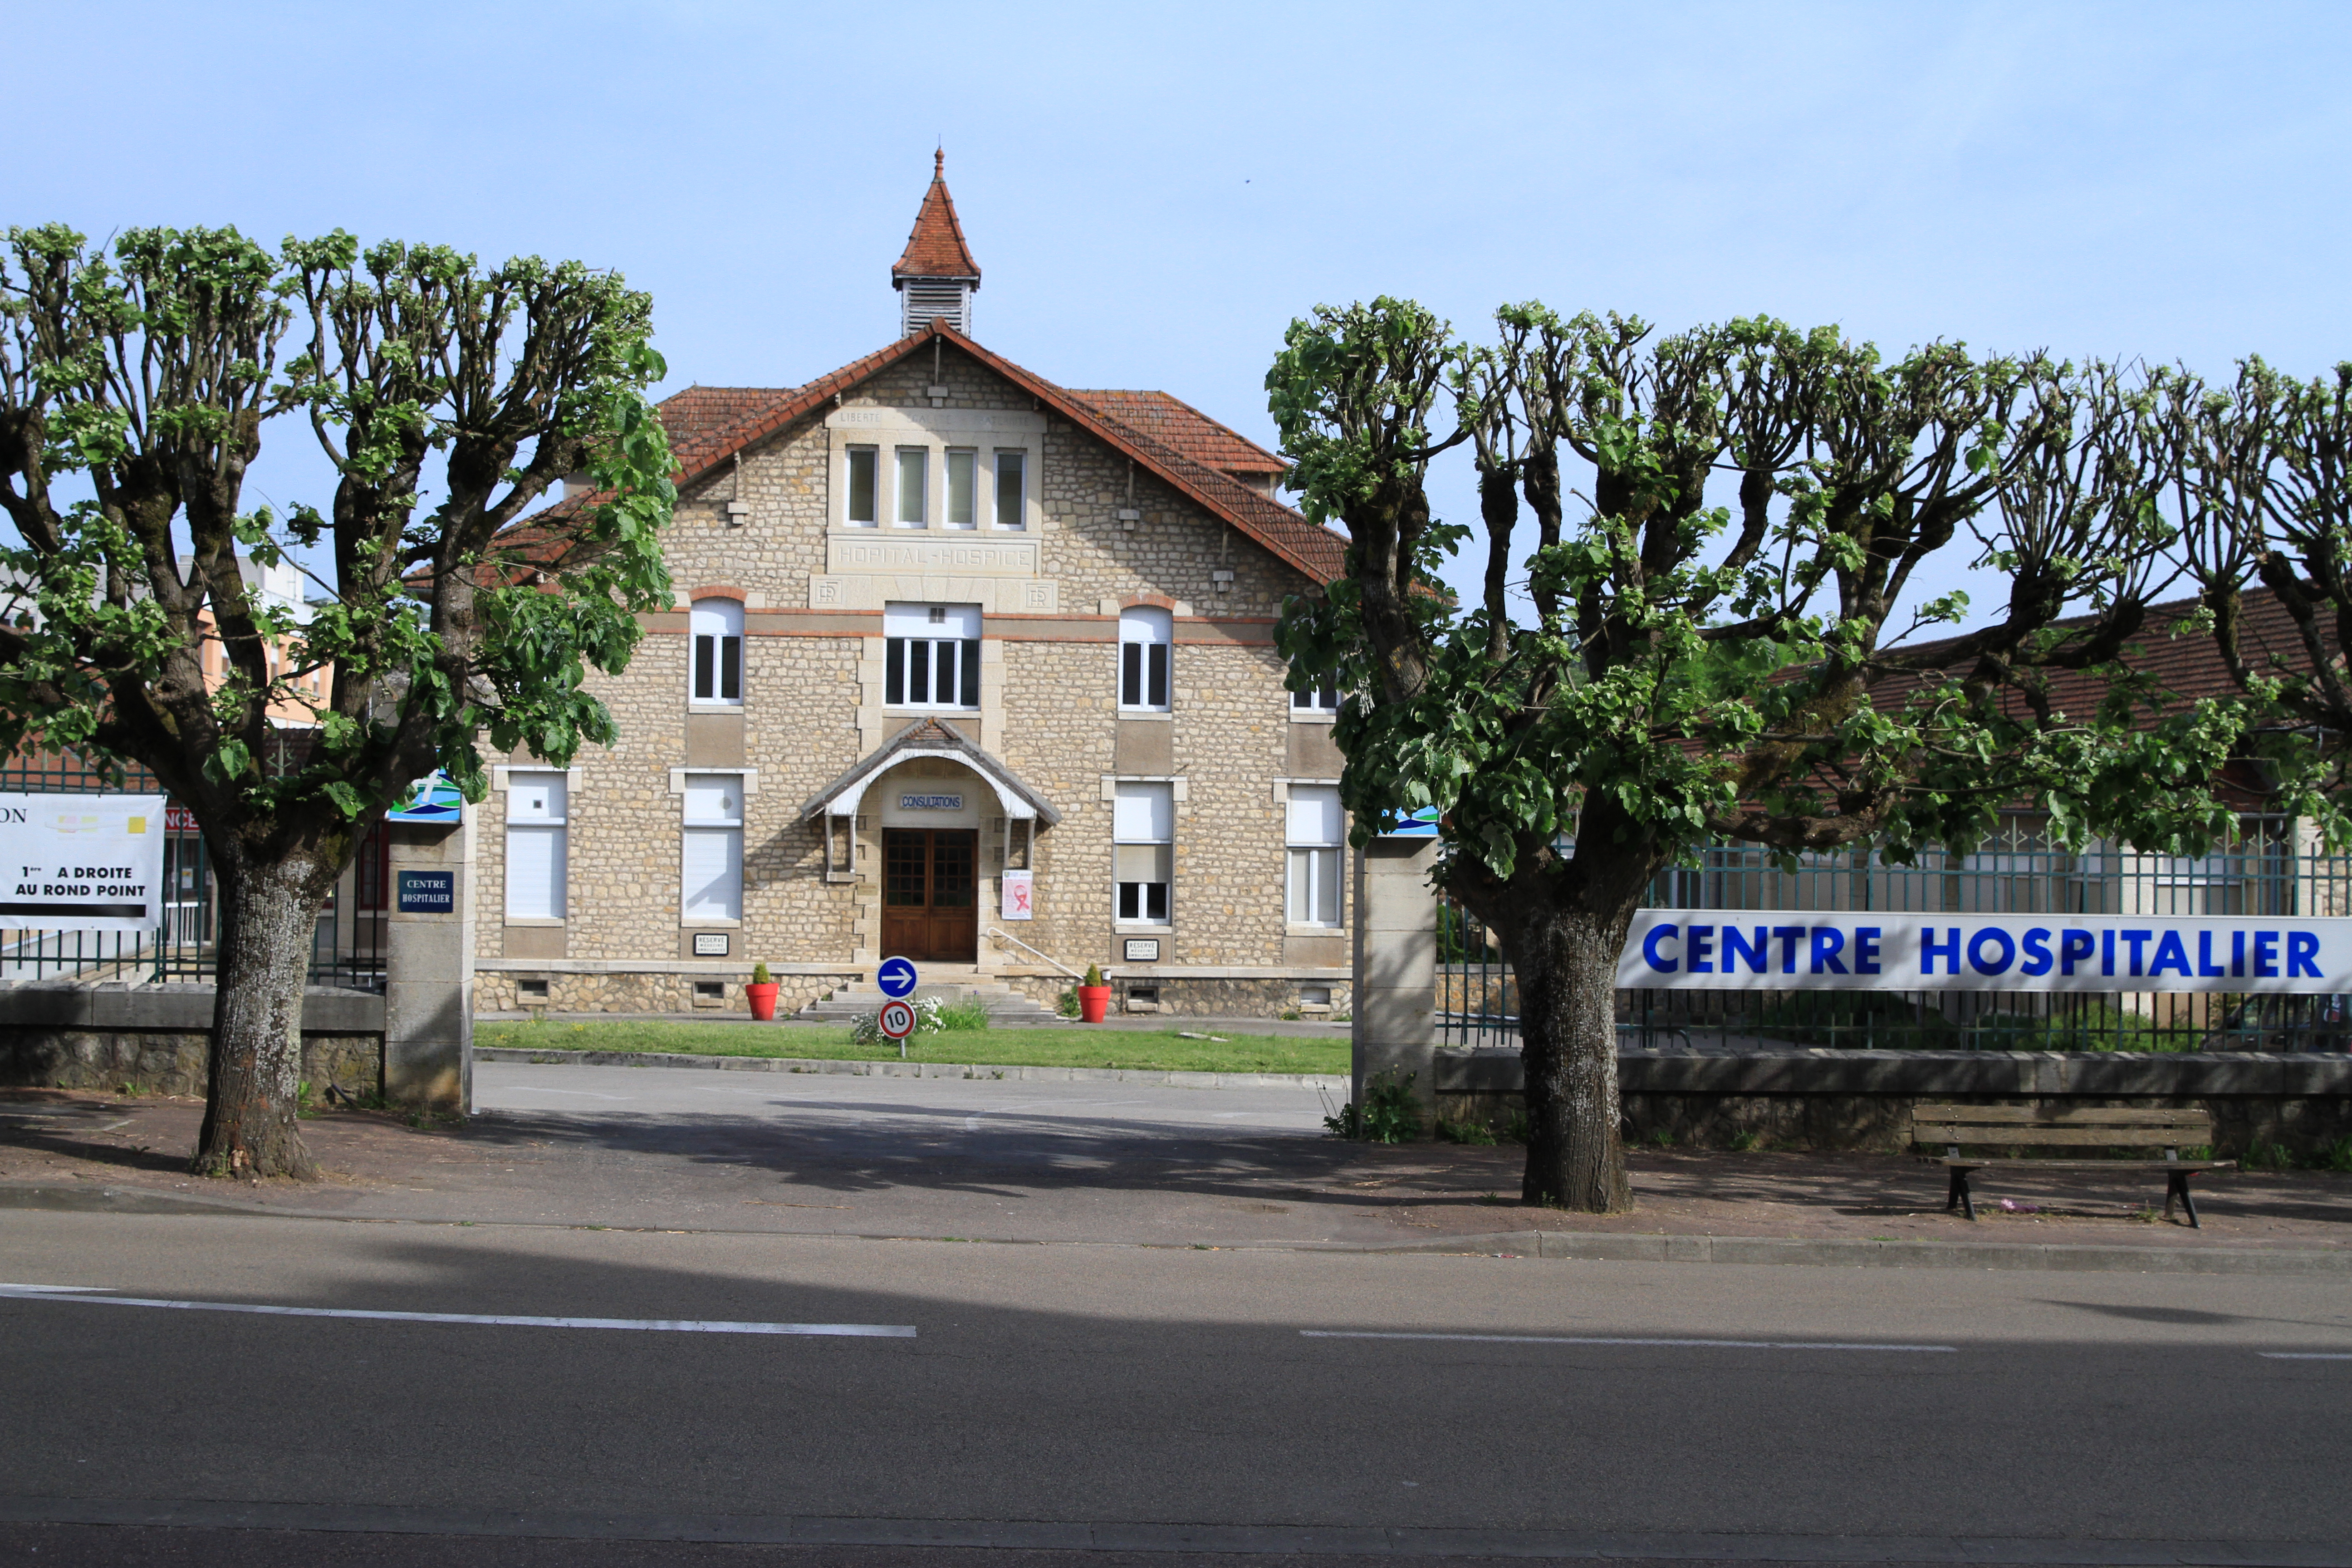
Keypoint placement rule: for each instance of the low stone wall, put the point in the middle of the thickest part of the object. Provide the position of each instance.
(500, 989)
(1199, 997)
(160, 1037)
(1826, 1099)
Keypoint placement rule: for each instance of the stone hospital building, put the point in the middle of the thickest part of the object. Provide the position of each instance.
(964, 666)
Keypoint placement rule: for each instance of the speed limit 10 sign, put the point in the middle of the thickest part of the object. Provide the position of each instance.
(897, 1020)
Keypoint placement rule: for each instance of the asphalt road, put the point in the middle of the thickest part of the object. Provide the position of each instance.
(1152, 1400)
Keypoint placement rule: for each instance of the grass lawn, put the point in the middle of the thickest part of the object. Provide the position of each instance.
(1069, 1046)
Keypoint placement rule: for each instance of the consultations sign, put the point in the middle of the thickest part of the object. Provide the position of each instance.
(1735, 950)
(81, 862)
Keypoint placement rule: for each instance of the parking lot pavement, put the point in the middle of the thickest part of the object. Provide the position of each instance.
(885, 1109)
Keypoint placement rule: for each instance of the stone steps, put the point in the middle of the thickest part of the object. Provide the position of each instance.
(1005, 1006)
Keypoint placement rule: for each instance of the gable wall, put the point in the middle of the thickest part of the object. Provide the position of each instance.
(813, 706)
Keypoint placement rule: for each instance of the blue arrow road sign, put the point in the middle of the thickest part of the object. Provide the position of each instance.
(896, 977)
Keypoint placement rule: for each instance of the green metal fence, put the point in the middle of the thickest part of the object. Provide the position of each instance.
(2016, 872)
(346, 947)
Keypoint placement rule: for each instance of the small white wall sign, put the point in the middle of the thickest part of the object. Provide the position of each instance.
(1020, 892)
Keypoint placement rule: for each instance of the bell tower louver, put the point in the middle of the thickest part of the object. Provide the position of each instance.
(935, 278)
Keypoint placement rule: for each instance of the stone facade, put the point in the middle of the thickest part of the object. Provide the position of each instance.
(764, 525)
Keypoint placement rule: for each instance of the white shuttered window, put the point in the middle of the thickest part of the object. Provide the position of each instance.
(712, 854)
(1143, 849)
(1317, 829)
(537, 818)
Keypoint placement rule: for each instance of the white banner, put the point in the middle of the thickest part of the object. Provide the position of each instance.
(1809, 949)
(81, 862)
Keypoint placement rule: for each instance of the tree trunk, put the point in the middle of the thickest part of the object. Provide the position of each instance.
(269, 914)
(1566, 964)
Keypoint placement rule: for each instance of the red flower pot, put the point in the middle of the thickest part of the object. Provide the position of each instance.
(763, 1000)
(1093, 1001)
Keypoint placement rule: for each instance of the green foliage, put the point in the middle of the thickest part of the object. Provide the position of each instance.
(1473, 1132)
(1389, 1114)
(2338, 1156)
(1067, 1003)
(970, 1014)
(1696, 671)
(150, 375)
(2263, 1155)
(1094, 976)
(760, 976)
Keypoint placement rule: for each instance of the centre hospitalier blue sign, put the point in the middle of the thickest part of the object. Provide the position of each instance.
(1803, 950)
(425, 892)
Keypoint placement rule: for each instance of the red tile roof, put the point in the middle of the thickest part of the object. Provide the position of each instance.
(700, 416)
(1177, 424)
(2184, 663)
(714, 424)
(935, 247)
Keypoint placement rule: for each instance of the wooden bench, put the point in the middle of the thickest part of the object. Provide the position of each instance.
(2026, 1126)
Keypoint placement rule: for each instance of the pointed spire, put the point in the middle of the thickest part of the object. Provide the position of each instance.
(935, 247)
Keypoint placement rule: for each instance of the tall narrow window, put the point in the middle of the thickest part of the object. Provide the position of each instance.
(914, 492)
(1316, 832)
(537, 827)
(1012, 492)
(963, 488)
(1145, 635)
(717, 626)
(1143, 850)
(862, 462)
(711, 860)
(930, 656)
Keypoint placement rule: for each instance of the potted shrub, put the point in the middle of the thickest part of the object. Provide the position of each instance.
(1094, 996)
(762, 994)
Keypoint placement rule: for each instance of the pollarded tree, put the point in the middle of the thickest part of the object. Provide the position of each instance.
(2264, 490)
(1689, 672)
(134, 394)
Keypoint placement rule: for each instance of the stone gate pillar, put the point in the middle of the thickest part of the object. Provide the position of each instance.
(1395, 986)
(428, 994)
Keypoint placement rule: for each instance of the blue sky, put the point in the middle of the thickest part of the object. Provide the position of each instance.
(1152, 193)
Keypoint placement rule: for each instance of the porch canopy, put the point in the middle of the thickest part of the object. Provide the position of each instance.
(931, 738)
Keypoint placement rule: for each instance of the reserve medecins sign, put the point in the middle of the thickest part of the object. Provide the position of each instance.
(1803, 950)
(81, 862)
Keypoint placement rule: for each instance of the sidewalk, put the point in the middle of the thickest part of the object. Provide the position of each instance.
(1122, 1164)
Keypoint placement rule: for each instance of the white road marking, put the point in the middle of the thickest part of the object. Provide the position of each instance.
(79, 1294)
(971, 1123)
(2304, 1355)
(1671, 1344)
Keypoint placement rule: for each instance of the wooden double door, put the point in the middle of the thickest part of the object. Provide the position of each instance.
(930, 894)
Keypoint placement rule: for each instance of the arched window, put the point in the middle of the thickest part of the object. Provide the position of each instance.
(718, 632)
(1146, 636)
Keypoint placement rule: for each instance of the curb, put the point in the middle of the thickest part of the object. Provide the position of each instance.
(1010, 1073)
(2043, 1257)
(2022, 1257)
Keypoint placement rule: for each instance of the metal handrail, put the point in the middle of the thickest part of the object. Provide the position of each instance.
(1001, 935)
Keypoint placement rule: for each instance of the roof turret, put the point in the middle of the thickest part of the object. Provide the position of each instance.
(936, 276)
